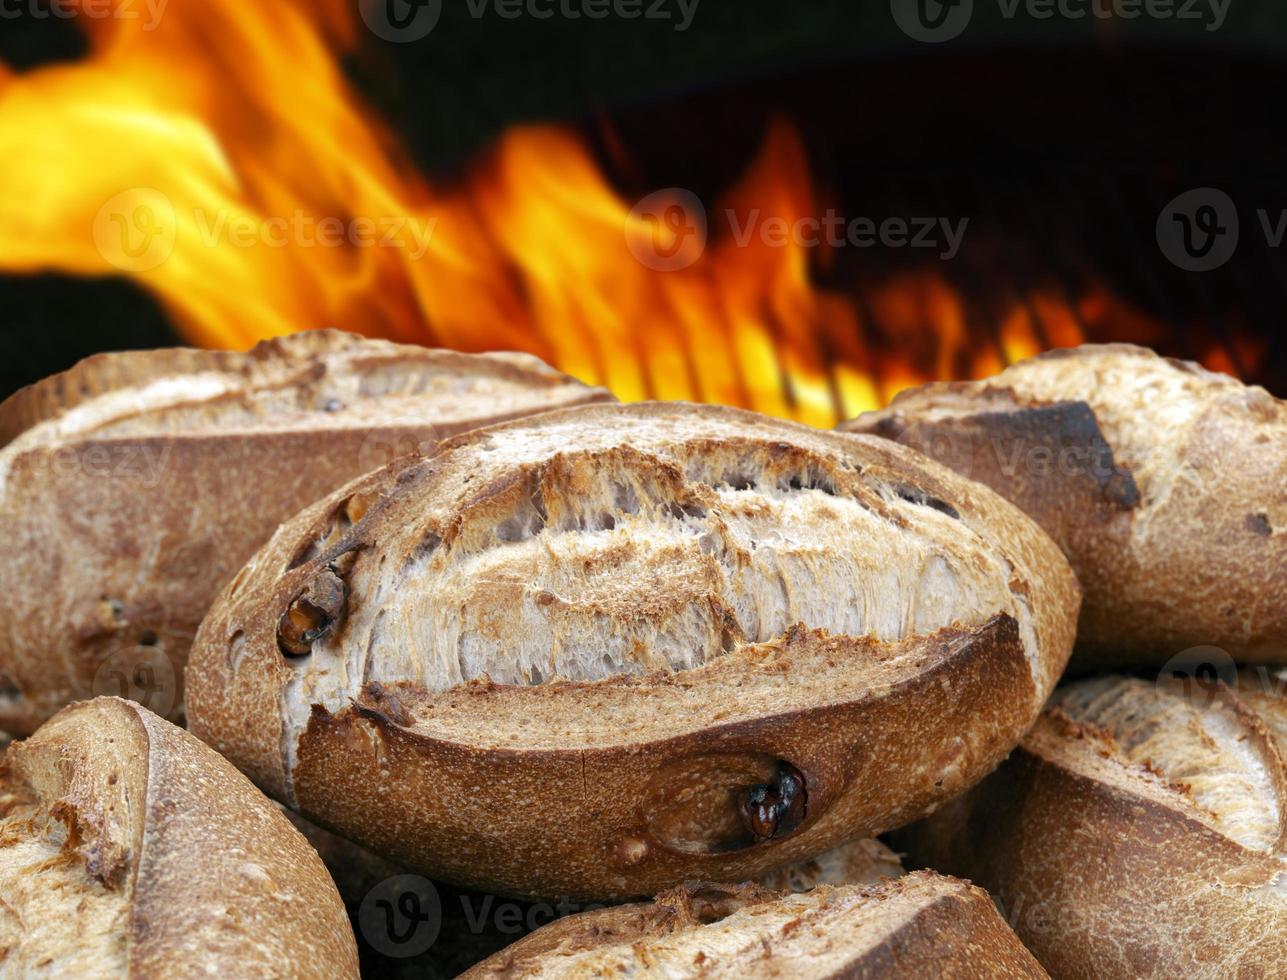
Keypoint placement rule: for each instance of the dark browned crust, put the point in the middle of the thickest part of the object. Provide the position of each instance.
(951, 930)
(449, 809)
(1103, 877)
(215, 876)
(118, 563)
(1207, 570)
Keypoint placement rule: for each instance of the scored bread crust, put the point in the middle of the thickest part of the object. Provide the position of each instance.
(560, 653)
(919, 925)
(1147, 841)
(136, 484)
(1164, 483)
(129, 848)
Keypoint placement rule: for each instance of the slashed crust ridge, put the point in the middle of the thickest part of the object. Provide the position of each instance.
(561, 606)
(1139, 829)
(136, 484)
(128, 848)
(1164, 483)
(917, 925)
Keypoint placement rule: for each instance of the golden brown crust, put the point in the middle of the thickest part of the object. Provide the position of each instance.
(136, 484)
(1145, 843)
(643, 773)
(1165, 484)
(209, 877)
(915, 926)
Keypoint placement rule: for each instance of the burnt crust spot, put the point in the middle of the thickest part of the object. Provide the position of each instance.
(313, 614)
(776, 808)
(1259, 524)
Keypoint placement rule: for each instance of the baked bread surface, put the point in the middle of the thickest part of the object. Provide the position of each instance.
(916, 926)
(130, 849)
(135, 485)
(1163, 482)
(602, 651)
(1139, 831)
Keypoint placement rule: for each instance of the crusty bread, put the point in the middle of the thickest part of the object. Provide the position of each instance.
(602, 651)
(917, 926)
(474, 926)
(1164, 483)
(1138, 832)
(130, 849)
(135, 485)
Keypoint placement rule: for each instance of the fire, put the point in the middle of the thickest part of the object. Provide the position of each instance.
(223, 162)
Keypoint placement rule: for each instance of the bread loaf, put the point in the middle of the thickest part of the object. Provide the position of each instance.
(135, 485)
(130, 849)
(473, 925)
(1138, 832)
(599, 652)
(1164, 483)
(918, 926)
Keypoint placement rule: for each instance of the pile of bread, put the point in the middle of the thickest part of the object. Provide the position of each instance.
(467, 618)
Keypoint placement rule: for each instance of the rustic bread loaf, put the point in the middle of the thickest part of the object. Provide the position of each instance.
(1164, 483)
(918, 926)
(473, 926)
(135, 485)
(130, 849)
(1138, 832)
(599, 652)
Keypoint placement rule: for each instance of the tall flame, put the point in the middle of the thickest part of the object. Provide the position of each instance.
(223, 161)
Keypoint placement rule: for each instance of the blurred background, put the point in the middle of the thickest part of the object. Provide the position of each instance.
(797, 208)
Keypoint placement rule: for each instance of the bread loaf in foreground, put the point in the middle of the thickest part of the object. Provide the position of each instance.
(602, 651)
(130, 849)
(473, 925)
(918, 926)
(1164, 483)
(135, 485)
(1138, 831)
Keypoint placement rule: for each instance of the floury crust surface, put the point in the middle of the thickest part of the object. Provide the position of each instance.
(1164, 483)
(605, 650)
(135, 485)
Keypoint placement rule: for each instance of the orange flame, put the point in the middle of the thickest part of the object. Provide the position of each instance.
(223, 162)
